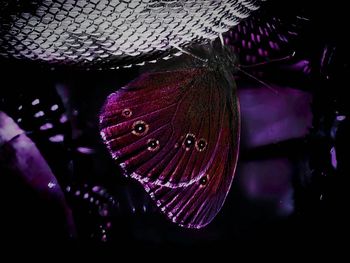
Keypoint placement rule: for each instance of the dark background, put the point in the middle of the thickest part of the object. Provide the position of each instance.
(27, 217)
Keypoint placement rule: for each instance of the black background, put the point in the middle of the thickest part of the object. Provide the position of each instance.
(321, 224)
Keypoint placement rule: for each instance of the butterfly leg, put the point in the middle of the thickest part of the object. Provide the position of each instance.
(189, 53)
(276, 60)
(221, 40)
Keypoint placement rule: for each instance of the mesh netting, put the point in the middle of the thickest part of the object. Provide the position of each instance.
(112, 32)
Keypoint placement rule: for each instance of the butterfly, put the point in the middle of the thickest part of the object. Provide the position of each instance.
(176, 130)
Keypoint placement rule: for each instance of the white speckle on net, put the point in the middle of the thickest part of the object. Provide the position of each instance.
(35, 102)
(57, 138)
(334, 158)
(63, 118)
(39, 114)
(51, 185)
(54, 107)
(46, 126)
(341, 117)
(96, 188)
(85, 150)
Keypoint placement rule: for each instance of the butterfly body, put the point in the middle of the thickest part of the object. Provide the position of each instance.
(176, 131)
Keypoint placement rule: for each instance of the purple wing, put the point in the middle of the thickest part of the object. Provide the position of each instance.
(177, 133)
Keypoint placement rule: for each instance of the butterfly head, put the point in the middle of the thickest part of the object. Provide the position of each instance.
(225, 58)
(220, 58)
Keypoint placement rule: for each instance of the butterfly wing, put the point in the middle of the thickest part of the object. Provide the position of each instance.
(195, 205)
(177, 133)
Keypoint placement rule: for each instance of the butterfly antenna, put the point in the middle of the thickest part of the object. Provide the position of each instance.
(258, 80)
(270, 61)
(189, 53)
